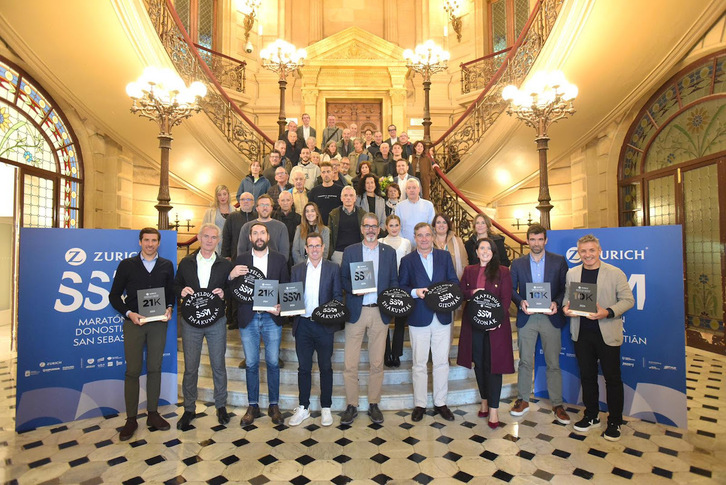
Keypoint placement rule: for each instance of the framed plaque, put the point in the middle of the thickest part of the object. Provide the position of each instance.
(539, 297)
(362, 278)
(292, 301)
(265, 296)
(485, 311)
(152, 305)
(583, 298)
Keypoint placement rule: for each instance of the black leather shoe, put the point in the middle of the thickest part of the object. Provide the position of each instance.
(417, 414)
(222, 415)
(350, 413)
(128, 429)
(249, 417)
(280, 363)
(243, 364)
(388, 360)
(186, 420)
(154, 420)
(275, 415)
(375, 414)
(445, 412)
(396, 362)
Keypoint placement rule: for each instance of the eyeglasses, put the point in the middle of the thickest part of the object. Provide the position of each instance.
(391, 129)
(315, 246)
(246, 199)
(369, 226)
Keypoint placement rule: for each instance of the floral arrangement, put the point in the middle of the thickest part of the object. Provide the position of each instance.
(384, 182)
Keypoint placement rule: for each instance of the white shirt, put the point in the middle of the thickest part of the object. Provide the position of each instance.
(312, 287)
(261, 262)
(204, 268)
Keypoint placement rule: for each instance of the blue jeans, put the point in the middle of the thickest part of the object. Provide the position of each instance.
(262, 325)
(313, 337)
(192, 338)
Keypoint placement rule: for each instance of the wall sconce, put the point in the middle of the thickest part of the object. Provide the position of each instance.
(453, 10)
(518, 215)
(249, 10)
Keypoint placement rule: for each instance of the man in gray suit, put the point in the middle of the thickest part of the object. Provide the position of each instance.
(598, 336)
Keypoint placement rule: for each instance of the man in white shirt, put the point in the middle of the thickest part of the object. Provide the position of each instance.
(413, 210)
(402, 176)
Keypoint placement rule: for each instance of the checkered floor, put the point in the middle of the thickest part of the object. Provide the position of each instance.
(530, 449)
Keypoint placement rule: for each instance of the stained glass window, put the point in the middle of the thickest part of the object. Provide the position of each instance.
(35, 137)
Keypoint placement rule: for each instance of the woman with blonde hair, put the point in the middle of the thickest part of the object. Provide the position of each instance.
(445, 238)
(483, 229)
(217, 214)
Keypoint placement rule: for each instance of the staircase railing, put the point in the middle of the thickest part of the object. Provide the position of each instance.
(484, 111)
(476, 74)
(449, 200)
(240, 131)
(230, 72)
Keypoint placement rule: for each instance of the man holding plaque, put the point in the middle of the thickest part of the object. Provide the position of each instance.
(145, 271)
(204, 269)
(321, 280)
(368, 269)
(539, 267)
(261, 324)
(599, 335)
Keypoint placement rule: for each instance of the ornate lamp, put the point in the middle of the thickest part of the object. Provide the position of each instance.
(453, 10)
(427, 59)
(544, 99)
(282, 57)
(161, 95)
(249, 10)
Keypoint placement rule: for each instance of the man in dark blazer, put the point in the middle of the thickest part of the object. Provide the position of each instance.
(366, 317)
(539, 266)
(428, 330)
(321, 283)
(265, 324)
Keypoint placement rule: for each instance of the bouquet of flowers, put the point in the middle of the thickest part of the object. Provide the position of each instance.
(384, 182)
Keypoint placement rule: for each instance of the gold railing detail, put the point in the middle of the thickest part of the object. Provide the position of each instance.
(476, 74)
(230, 72)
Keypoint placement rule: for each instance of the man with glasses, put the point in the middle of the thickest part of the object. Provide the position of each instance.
(392, 138)
(365, 317)
(279, 239)
(344, 224)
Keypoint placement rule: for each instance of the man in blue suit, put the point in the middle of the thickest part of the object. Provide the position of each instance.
(539, 266)
(366, 317)
(428, 330)
(321, 283)
(256, 324)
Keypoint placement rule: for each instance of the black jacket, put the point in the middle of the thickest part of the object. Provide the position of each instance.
(131, 276)
(232, 227)
(186, 275)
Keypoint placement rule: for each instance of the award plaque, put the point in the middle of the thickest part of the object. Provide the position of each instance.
(362, 278)
(485, 311)
(202, 308)
(331, 314)
(395, 302)
(243, 287)
(291, 299)
(444, 297)
(152, 305)
(539, 297)
(265, 296)
(583, 298)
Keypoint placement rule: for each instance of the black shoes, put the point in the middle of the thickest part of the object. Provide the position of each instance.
(445, 412)
(375, 413)
(350, 413)
(128, 429)
(154, 420)
(186, 420)
(418, 413)
(223, 416)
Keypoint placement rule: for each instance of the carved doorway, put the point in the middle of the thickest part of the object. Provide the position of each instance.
(366, 113)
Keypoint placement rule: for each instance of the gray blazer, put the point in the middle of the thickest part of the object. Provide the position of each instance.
(613, 291)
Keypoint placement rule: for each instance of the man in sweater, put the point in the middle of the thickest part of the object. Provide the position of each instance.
(277, 232)
(327, 194)
(345, 222)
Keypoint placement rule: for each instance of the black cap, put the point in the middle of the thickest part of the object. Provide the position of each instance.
(395, 302)
(444, 297)
(202, 308)
(331, 314)
(243, 287)
(485, 311)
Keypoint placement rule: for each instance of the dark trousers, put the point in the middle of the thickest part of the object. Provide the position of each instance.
(490, 385)
(590, 348)
(153, 336)
(312, 337)
(395, 348)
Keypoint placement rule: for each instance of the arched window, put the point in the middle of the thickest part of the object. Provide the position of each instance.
(673, 171)
(36, 138)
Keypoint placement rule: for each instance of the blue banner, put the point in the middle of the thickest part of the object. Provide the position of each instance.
(653, 354)
(70, 339)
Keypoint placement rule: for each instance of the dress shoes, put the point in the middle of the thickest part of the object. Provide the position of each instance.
(388, 361)
(396, 362)
(128, 429)
(275, 415)
(483, 414)
(154, 420)
(223, 416)
(249, 417)
(445, 412)
(186, 420)
(418, 414)
(493, 424)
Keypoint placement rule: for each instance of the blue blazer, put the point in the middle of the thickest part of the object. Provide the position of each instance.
(555, 272)
(413, 275)
(329, 289)
(276, 270)
(387, 276)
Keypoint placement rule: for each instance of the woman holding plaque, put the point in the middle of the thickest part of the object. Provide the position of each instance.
(489, 350)
(311, 222)
(392, 356)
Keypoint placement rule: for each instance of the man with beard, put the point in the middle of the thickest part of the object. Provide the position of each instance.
(327, 194)
(365, 317)
(331, 132)
(308, 169)
(539, 266)
(278, 237)
(261, 324)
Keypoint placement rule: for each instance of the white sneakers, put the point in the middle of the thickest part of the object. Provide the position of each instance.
(326, 418)
(300, 415)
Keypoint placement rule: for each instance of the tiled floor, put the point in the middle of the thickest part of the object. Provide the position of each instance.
(530, 449)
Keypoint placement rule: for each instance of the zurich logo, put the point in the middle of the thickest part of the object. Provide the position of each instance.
(75, 256)
(572, 255)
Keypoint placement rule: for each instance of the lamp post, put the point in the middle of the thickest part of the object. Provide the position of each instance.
(544, 99)
(427, 59)
(282, 57)
(161, 95)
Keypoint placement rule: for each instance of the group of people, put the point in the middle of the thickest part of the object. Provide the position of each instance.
(315, 236)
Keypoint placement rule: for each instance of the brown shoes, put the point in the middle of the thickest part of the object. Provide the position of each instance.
(274, 413)
(156, 421)
(128, 429)
(417, 414)
(519, 408)
(561, 415)
(445, 412)
(249, 417)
